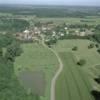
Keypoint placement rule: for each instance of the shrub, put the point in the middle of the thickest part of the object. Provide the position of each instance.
(96, 94)
(1, 52)
(97, 80)
(75, 48)
(81, 62)
(98, 50)
(97, 45)
(91, 46)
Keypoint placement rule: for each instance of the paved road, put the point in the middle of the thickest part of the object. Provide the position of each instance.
(54, 79)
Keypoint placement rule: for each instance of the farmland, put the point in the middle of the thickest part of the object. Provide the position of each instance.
(49, 52)
(71, 81)
(76, 81)
(88, 20)
(37, 58)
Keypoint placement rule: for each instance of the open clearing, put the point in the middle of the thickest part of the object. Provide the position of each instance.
(76, 82)
(36, 57)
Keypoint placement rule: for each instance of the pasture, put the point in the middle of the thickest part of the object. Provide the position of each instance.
(92, 21)
(35, 58)
(72, 84)
(76, 82)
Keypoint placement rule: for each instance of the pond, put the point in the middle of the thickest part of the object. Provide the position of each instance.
(33, 81)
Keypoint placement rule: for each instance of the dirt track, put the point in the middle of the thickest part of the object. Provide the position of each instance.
(53, 82)
(54, 79)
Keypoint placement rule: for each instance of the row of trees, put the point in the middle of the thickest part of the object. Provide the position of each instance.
(86, 26)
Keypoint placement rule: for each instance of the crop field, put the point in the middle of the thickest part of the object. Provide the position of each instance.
(91, 55)
(95, 20)
(72, 84)
(76, 82)
(49, 52)
(37, 58)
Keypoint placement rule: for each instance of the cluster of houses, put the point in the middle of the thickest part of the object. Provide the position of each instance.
(32, 34)
(83, 33)
(29, 34)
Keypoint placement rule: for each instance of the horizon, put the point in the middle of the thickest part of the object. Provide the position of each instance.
(3, 4)
(52, 2)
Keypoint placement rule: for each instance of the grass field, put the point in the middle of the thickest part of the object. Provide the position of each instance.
(72, 84)
(91, 55)
(35, 57)
(70, 20)
(76, 82)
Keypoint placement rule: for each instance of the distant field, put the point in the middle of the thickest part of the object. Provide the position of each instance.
(36, 58)
(73, 83)
(69, 20)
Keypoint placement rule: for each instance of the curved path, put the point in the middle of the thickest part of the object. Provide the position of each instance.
(53, 82)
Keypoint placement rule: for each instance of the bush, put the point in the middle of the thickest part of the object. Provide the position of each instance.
(91, 46)
(1, 52)
(81, 62)
(96, 37)
(96, 94)
(97, 80)
(98, 50)
(97, 45)
(75, 48)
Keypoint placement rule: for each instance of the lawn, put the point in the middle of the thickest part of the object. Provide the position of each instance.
(76, 82)
(35, 57)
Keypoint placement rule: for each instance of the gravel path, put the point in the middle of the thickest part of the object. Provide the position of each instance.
(53, 82)
(54, 79)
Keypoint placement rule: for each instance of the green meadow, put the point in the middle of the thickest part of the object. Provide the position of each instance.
(76, 82)
(35, 58)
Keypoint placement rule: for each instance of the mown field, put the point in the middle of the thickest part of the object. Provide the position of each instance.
(37, 58)
(72, 84)
(76, 82)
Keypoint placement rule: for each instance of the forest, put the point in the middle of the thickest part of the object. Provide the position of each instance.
(13, 25)
(51, 11)
(10, 88)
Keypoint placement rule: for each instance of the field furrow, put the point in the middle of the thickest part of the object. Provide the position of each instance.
(77, 87)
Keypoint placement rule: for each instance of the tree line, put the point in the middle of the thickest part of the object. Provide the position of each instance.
(13, 25)
(10, 88)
